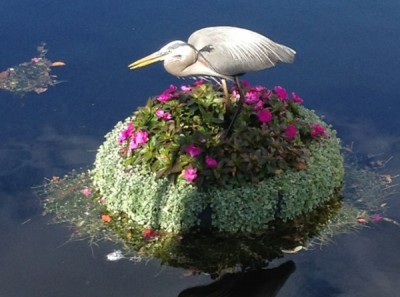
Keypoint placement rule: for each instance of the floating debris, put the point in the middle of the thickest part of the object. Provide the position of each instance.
(118, 255)
(31, 76)
(115, 256)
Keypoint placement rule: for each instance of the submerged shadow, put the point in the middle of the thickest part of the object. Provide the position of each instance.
(255, 283)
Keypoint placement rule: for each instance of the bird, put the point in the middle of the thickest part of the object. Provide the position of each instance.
(221, 52)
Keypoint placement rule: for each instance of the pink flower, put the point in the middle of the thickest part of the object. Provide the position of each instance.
(260, 88)
(236, 94)
(259, 105)
(245, 84)
(126, 133)
(186, 89)
(281, 93)
(190, 174)
(291, 132)
(161, 114)
(266, 94)
(376, 217)
(86, 191)
(296, 98)
(164, 97)
(264, 116)
(211, 162)
(171, 89)
(168, 94)
(198, 83)
(35, 59)
(252, 96)
(192, 150)
(138, 138)
(318, 130)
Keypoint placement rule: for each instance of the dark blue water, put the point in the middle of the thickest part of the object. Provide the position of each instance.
(347, 69)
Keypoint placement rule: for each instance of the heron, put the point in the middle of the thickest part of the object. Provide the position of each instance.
(221, 52)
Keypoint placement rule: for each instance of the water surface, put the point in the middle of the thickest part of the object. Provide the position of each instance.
(346, 69)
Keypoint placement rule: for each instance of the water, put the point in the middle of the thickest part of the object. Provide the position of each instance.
(346, 69)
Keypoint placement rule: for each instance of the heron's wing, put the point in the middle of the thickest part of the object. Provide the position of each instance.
(232, 51)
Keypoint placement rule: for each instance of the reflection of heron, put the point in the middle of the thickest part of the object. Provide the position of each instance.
(256, 283)
(220, 52)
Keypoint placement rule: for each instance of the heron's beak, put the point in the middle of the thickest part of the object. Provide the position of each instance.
(150, 59)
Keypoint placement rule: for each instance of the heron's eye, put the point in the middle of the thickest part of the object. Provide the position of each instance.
(178, 56)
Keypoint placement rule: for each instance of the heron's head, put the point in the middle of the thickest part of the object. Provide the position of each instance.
(176, 55)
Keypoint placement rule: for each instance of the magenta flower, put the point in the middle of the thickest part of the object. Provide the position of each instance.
(252, 96)
(164, 115)
(259, 105)
(376, 217)
(168, 94)
(211, 162)
(86, 191)
(164, 97)
(171, 89)
(192, 150)
(281, 93)
(138, 138)
(126, 133)
(291, 132)
(260, 88)
(186, 89)
(245, 84)
(266, 94)
(198, 83)
(296, 98)
(317, 130)
(264, 116)
(190, 174)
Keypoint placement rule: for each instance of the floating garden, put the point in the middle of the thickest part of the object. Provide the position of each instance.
(170, 181)
(30, 76)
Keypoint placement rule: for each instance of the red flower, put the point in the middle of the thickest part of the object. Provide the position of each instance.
(149, 234)
(106, 218)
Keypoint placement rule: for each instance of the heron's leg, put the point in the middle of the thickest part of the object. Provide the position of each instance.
(227, 100)
(226, 93)
(239, 105)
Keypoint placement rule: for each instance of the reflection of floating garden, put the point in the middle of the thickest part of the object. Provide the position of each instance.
(270, 186)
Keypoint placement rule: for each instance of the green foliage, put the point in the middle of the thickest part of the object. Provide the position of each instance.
(256, 150)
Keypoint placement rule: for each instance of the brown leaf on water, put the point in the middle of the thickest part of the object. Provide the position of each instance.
(57, 64)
